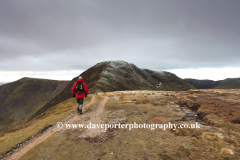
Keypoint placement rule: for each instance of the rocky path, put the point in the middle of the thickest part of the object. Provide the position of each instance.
(95, 118)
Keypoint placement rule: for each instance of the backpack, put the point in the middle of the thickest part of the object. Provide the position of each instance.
(79, 88)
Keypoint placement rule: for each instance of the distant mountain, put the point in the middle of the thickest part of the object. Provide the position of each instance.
(120, 76)
(22, 98)
(229, 83)
(202, 84)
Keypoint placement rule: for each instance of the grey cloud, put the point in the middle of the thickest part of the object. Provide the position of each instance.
(155, 34)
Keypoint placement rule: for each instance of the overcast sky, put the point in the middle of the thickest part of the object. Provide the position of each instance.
(60, 39)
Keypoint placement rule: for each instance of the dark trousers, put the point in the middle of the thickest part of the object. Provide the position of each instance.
(80, 100)
(79, 103)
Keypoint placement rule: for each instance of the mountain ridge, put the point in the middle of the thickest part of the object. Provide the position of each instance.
(119, 76)
(228, 83)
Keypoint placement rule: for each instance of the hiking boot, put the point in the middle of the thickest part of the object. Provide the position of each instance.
(80, 112)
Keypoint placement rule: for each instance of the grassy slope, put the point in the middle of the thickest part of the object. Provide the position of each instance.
(170, 82)
(25, 97)
(5, 91)
(90, 77)
(230, 83)
(217, 135)
(51, 116)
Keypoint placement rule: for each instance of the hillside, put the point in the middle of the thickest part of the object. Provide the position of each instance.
(90, 77)
(157, 100)
(119, 76)
(229, 83)
(22, 98)
(194, 124)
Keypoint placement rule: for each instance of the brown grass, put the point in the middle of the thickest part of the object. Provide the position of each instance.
(155, 103)
(202, 143)
(156, 120)
(236, 120)
(164, 102)
(51, 116)
(211, 136)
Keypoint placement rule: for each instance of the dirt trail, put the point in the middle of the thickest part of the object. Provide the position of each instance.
(96, 117)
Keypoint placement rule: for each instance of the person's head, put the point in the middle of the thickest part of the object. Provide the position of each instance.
(80, 77)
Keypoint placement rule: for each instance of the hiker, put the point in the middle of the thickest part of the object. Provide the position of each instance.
(78, 90)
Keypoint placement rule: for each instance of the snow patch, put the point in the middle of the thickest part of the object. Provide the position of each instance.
(159, 84)
(119, 64)
(161, 73)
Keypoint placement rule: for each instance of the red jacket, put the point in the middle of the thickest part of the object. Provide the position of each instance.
(84, 87)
